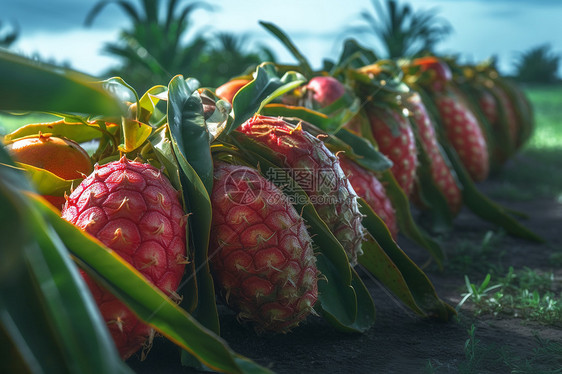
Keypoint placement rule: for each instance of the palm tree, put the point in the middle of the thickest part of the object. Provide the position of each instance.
(403, 31)
(229, 56)
(151, 49)
(537, 65)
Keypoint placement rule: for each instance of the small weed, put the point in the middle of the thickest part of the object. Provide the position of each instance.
(477, 293)
(524, 294)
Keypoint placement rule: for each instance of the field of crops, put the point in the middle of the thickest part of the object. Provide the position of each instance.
(333, 219)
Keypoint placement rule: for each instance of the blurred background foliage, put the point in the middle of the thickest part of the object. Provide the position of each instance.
(160, 42)
(403, 31)
(537, 65)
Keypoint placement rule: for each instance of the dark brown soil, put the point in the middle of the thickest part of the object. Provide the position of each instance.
(401, 342)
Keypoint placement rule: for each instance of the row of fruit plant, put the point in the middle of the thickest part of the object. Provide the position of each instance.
(264, 194)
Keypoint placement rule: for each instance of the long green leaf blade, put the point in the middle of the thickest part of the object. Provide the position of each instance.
(26, 85)
(188, 128)
(46, 312)
(386, 260)
(485, 208)
(148, 302)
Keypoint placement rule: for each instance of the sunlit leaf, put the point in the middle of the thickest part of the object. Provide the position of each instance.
(188, 128)
(78, 131)
(134, 133)
(286, 41)
(265, 87)
(47, 183)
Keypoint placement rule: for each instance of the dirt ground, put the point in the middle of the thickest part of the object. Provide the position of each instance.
(401, 342)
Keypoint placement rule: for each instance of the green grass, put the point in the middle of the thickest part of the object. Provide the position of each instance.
(546, 102)
(526, 293)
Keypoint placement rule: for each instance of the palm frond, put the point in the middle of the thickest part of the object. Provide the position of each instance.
(127, 7)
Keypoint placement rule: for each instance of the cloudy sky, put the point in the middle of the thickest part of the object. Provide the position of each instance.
(54, 29)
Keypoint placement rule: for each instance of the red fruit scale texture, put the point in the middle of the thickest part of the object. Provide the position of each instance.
(488, 105)
(260, 251)
(509, 111)
(133, 209)
(464, 133)
(441, 173)
(322, 177)
(398, 146)
(367, 186)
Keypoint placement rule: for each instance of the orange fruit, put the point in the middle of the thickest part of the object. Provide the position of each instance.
(229, 89)
(62, 157)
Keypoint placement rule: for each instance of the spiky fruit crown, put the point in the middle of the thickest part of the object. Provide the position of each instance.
(440, 170)
(133, 209)
(260, 251)
(395, 139)
(367, 186)
(319, 173)
(464, 133)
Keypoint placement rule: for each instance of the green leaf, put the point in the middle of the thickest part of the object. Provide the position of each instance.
(405, 220)
(370, 157)
(366, 311)
(120, 89)
(78, 131)
(284, 39)
(164, 153)
(385, 260)
(330, 123)
(485, 208)
(145, 300)
(134, 133)
(27, 85)
(199, 206)
(47, 183)
(435, 209)
(188, 128)
(148, 104)
(354, 56)
(219, 118)
(190, 142)
(47, 314)
(265, 87)
(163, 149)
